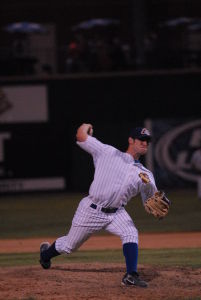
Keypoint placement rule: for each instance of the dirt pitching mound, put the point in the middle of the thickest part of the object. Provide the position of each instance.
(97, 281)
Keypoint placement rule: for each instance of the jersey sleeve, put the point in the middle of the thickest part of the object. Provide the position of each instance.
(147, 190)
(93, 146)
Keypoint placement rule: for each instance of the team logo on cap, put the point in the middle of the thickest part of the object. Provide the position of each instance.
(145, 131)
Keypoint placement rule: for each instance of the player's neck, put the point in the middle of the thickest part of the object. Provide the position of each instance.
(135, 155)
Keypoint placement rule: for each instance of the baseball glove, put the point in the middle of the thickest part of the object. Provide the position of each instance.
(157, 205)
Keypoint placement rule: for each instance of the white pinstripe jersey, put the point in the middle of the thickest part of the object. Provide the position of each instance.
(116, 178)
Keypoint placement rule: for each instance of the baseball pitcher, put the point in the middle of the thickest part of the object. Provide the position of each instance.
(119, 176)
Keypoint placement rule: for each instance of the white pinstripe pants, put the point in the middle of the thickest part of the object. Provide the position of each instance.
(88, 220)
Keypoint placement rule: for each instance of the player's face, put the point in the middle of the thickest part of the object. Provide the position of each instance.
(140, 146)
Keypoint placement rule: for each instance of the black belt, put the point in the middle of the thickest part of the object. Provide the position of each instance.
(107, 210)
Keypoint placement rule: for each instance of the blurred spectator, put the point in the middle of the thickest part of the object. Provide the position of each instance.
(71, 59)
(103, 60)
(97, 53)
(19, 48)
(126, 48)
(77, 55)
(46, 69)
(118, 55)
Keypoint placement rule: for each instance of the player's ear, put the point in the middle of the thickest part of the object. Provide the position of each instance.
(130, 140)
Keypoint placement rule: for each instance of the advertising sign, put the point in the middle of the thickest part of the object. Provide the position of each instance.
(176, 151)
(23, 104)
(29, 157)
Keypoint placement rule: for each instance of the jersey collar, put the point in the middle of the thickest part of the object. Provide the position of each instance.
(136, 161)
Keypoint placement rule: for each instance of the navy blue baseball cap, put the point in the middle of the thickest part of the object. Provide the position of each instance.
(140, 133)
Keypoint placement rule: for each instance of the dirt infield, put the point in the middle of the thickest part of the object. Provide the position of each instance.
(146, 241)
(98, 280)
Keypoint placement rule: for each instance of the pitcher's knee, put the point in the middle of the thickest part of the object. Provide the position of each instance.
(130, 237)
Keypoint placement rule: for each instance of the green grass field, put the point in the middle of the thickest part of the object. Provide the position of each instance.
(38, 215)
(160, 257)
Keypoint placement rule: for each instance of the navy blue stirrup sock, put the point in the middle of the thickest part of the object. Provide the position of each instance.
(130, 251)
(50, 252)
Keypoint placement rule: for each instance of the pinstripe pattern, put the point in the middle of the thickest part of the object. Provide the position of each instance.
(116, 181)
